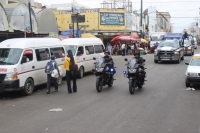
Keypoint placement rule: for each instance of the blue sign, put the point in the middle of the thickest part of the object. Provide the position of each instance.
(107, 18)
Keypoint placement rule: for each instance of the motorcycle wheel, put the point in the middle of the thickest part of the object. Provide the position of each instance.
(131, 86)
(99, 85)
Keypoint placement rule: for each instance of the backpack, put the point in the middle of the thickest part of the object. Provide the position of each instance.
(73, 68)
(49, 67)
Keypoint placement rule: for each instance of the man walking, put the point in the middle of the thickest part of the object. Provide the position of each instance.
(50, 67)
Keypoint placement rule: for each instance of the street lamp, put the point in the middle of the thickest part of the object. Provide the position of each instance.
(141, 21)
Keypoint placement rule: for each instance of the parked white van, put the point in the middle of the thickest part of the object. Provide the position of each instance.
(22, 62)
(84, 49)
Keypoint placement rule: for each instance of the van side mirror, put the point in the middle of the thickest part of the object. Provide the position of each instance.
(94, 58)
(23, 60)
(125, 59)
(186, 63)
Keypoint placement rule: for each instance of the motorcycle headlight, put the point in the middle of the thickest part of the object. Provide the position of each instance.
(99, 69)
(189, 47)
(11, 76)
(132, 70)
(192, 74)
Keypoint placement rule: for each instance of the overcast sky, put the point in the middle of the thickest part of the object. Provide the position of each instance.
(177, 8)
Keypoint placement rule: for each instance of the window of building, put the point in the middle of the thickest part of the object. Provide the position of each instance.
(89, 50)
(98, 48)
(58, 52)
(42, 54)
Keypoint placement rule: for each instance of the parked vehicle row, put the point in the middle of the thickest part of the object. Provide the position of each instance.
(22, 61)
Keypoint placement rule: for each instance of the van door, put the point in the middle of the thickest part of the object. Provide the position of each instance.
(42, 58)
(89, 50)
(60, 57)
(80, 57)
(27, 69)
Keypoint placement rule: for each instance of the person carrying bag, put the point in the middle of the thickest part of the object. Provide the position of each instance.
(71, 71)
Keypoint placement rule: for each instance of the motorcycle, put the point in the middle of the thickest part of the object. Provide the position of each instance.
(104, 74)
(135, 75)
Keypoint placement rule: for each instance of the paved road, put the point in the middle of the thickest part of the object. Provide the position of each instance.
(162, 106)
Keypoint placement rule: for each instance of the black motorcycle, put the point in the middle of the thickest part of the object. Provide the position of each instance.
(104, 74)
(135, 74)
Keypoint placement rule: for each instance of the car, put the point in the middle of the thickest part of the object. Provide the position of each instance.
(193, 71)
(188, 47)
(169, 50)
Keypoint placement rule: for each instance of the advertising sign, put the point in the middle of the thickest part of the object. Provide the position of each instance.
(109, 18)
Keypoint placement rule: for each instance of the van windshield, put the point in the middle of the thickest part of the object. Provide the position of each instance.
(10, 56)
(157, 38)
(72, 48)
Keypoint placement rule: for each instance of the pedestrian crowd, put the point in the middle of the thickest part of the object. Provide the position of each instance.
(128, 47)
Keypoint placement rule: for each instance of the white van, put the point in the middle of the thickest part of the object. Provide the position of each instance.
(23, 61)
(156, 37)
(84, 49)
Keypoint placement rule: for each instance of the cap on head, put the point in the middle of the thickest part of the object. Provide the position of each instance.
(53, 57)
(106, 52)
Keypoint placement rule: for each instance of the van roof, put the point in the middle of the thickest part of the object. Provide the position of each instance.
(29, 42)
(81, 41)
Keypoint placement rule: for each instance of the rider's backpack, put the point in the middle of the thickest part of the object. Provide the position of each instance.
(49, 67)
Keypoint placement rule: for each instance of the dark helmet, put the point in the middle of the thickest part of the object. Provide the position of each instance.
(106, 52)
(137, 53)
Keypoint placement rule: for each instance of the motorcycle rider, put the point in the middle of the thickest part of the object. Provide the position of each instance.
(108, 59)
(141, 63)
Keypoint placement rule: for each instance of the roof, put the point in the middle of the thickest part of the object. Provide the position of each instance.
(84, 41)
(29, 42)
(173, 35)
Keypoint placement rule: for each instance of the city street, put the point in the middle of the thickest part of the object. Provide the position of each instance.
(162, 106)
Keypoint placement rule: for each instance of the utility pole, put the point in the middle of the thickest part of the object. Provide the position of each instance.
(141, 36)
(73, 19)
(29, 6)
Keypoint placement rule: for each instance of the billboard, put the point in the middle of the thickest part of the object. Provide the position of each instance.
(111, 18)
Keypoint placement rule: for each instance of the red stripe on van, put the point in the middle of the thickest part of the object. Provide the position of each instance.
(34, 70)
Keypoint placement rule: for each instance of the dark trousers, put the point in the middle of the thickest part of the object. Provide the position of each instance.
(51, 80)
(69, 77)
(123, 52)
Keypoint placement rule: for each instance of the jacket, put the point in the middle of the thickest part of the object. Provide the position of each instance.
(67, 63)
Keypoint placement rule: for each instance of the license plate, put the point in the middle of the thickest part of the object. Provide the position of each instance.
(164, 57)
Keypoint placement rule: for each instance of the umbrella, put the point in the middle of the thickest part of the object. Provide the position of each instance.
(115, 39)
(135, 36)
(144, 41)
(126, 38)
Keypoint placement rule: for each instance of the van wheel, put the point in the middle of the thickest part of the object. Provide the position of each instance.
(59, 80)
(81, 72)
(155, 61)
(28, 87)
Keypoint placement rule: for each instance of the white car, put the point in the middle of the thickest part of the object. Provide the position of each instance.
(193, 71)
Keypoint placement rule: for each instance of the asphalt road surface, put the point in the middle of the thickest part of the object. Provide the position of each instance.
(162, 106)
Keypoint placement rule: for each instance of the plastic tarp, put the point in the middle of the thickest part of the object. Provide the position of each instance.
(20, 18)
(2, 27)
(69, 33)
(46, 21)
